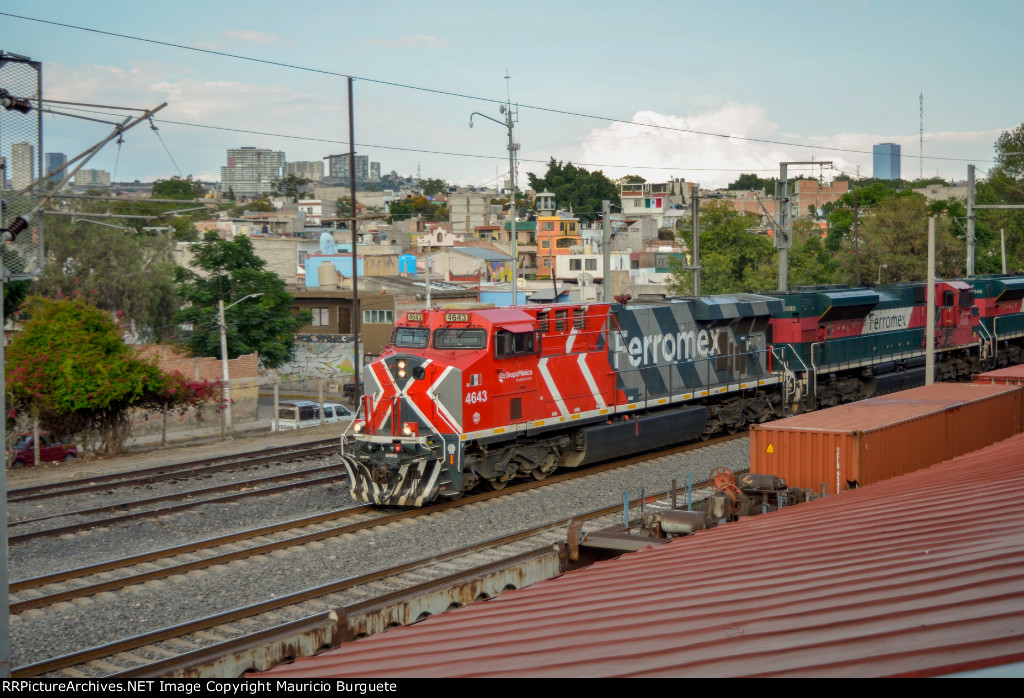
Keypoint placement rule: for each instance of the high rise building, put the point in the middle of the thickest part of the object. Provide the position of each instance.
(374, 171)
(23, 163)
(251, 171)
(52, 162)
(313, 171)
(886, 161)
(92, 178)
(339, 167)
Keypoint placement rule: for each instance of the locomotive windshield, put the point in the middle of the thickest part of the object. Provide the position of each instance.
(411, 337)
(451, 338)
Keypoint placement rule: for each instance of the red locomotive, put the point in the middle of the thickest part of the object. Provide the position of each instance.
(464, 396)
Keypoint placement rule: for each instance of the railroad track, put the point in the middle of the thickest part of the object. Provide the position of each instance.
(29, 596)
(259, 487)
(176, 471)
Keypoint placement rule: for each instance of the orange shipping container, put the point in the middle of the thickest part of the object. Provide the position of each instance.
(872, 440)
(1011, 375)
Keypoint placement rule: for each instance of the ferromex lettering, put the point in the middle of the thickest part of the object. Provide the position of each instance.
(664, 348)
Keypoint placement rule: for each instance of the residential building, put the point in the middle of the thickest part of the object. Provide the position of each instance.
(338, 166)
(468, 210)
(251, 171)
(664, 202)
(92, 178)
(374, 171)
(488, 263)
(307, 169)
(807, 193)
(556, 234)
(886, 161)
(53, 162)
(942, 192)
(23, 165)
(312, 211)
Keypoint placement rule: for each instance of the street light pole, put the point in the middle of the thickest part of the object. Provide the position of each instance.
(224, 356)
(509, 124)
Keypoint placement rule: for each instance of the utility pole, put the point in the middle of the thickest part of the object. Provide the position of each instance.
(970, 221)
(357, 367)
(695, 237)
(856, 236)
(606, 255)
(784, 237)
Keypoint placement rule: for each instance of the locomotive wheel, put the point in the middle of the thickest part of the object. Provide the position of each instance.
(497, 483)
(539, 474)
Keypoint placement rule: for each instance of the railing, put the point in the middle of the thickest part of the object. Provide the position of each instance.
(868, 349)
(658, 384)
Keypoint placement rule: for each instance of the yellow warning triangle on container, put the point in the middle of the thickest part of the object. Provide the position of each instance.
(770, 449)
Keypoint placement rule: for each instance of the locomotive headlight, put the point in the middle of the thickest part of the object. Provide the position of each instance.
(401, 374)
(401, 364)
(357, 426)
(410, 429)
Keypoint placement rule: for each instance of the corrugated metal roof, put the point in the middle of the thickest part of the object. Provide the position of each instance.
(920, 575)
(482, 253)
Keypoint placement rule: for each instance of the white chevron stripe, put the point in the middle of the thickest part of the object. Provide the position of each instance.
(440, 405)
(552, 388)
(591, 383)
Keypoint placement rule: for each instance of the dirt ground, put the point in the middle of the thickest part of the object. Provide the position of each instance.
(84, 468)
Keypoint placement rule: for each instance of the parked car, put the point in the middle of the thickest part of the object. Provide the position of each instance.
(50, 449)
(306, 413)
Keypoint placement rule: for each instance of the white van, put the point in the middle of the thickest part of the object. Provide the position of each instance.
(297, 414)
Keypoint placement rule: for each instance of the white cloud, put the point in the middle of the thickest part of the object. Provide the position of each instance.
(660, 153)
(410, 41)
(250, 36)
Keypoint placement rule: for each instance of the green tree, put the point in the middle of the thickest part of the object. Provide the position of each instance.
(576, 188)
(70, 365)
(417, 206)
(432, 187)
(178, 188)
(896, 235)
(747, 182)
(229, 270)
(732, 258)
(119, 270)
(633, 179)
(291, 185)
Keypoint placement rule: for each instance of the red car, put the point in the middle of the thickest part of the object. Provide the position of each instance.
(50, 449)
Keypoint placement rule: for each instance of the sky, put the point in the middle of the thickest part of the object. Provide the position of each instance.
(699, 90)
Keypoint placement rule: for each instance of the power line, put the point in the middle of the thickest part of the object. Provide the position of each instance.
(335, 141)
(389, 83)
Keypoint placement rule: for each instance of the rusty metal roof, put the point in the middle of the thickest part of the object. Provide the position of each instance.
(920, 575)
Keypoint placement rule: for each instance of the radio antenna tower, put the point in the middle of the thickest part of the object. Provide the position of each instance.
(920, 147)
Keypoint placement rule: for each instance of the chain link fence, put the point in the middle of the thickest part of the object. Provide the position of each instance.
(21, 146)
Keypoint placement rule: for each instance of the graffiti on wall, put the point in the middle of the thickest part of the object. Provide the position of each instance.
(500, 272)
(320, 356)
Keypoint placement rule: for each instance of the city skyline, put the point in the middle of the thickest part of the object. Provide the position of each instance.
(708, 78)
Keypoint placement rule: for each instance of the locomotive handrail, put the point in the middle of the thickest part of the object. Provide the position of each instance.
(786, 370)
(988, 338)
